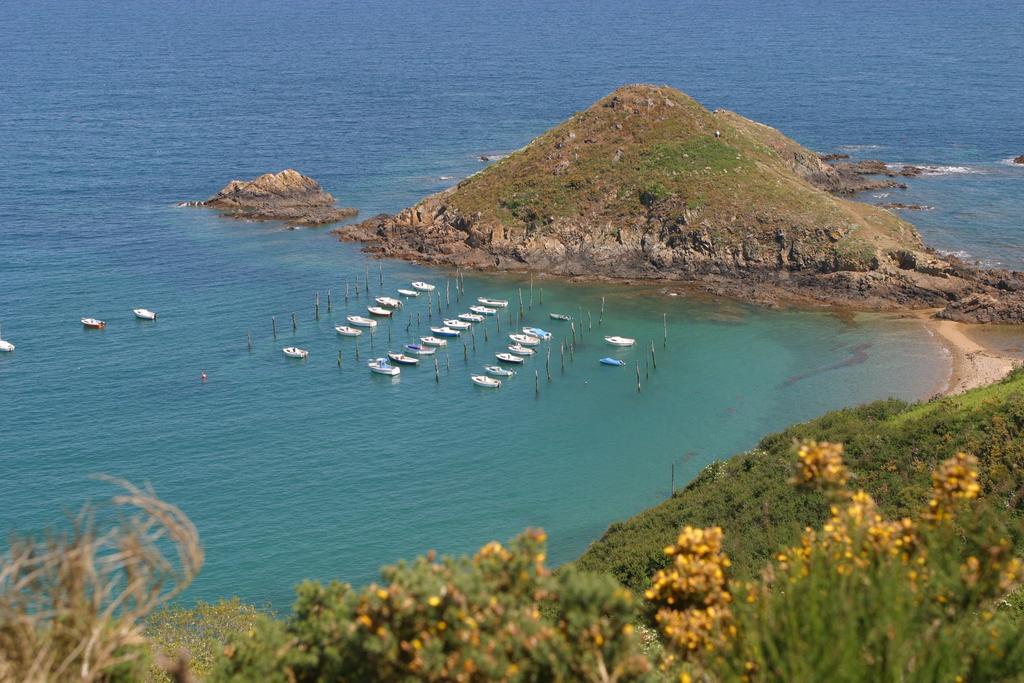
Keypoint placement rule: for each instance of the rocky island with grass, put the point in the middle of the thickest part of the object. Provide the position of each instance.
(285, 196)
(648, 184)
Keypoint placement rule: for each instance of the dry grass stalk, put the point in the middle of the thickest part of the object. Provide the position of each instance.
(72, 605)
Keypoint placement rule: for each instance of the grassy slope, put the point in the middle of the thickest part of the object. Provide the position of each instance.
(891, 449)
(609, 163)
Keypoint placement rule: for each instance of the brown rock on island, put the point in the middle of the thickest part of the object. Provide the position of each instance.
(1019, 160)
(648, 184)
(286, 196)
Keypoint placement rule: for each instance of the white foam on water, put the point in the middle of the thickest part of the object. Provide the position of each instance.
(1008, 161)
(950, 170)
(858, 148)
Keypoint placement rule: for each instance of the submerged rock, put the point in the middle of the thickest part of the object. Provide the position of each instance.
(288, 195)
(1019, 160)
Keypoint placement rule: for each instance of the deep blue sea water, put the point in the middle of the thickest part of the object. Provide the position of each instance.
(111, 113)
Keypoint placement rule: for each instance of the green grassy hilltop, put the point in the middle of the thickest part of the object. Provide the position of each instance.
(648, 151)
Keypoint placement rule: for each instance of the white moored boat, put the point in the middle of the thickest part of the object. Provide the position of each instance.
(498, 371)
(559, 316)
(521, 350)
(402, 359)
(408, 292)
(381, 367)
(471, 317)
(620, 341)
(346, 331)
(377, 310)
(496, 303)
(483, 310)
(423, 287)
(485, 381)
(457, 324)
(361, 322)
(144, 314)
(388, 302)
(93, 323)
(508, 357)
(5, 346)
(433, 341)
(524, 339)
(295, 352)
(445, 332)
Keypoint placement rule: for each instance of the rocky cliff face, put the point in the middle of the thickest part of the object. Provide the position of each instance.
(649, 184)
(288, 195)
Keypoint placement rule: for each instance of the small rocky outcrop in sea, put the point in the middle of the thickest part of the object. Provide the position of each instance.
(1019, 160)
(286, 196)
(853, 177)
(906, 207)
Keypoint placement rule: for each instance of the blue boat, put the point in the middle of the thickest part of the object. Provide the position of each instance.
(537, 332)
(420, 349)
(613, 361)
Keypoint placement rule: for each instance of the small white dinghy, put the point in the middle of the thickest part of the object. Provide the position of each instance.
(346, 331)
(471, 317)
(423, 287)
(494, 303)
(620, 341)
(498, 371)
(408, 292)
(295, 352)
(377, 310)
(433, 341)
(508, 358)
(144, 314)
(483, 310)
(359, 321)
(93, 323)
(5, 346)
(524, 339)
(381, 367)
(485, 381)
(457, 324)
(402, 359)
(520, 350)
(388, 302)
(445, 332)
(560, 316)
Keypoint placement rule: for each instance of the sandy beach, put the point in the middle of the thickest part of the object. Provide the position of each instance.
(973, 364)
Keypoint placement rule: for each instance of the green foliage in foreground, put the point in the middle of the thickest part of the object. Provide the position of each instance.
(473, 619)
(202, 631)
(891, 447)
(908, 570)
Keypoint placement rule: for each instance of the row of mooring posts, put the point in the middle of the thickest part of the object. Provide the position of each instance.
(650, 362)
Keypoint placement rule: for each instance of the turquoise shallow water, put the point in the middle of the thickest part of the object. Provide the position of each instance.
(298, 468)
(111, 114)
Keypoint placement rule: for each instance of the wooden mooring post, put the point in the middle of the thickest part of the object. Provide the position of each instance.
(273, 325)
